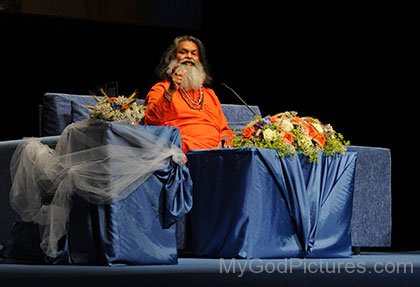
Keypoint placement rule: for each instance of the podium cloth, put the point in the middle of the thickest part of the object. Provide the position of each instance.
(121, 189)
(252, 203)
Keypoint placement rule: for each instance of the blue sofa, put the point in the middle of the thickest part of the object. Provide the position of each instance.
(371, 218)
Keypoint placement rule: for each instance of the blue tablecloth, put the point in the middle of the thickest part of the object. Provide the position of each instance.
(251, 203)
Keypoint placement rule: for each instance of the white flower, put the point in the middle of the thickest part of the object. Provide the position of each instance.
(286, 125)
(270, 135)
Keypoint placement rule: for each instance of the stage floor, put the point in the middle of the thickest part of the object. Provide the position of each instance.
(367, 269)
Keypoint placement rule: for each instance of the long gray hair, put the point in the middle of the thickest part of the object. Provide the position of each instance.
(170, 54)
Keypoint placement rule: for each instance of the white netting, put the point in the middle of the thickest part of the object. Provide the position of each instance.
(80, 164)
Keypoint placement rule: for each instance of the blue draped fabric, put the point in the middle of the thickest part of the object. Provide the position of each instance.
(251, 203)
(140, 228)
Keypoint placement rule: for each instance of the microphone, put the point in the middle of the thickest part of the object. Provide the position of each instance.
(226, 86)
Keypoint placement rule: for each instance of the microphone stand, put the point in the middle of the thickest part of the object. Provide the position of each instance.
(226, 86)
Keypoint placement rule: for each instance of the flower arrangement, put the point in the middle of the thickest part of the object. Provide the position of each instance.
(118, 108)
(288, 133)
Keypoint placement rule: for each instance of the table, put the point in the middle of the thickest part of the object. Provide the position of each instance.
(251, 203)
(139, 229)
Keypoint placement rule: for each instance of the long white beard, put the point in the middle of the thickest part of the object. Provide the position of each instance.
(194, 76)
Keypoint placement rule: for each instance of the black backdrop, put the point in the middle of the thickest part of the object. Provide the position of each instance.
(344, 68)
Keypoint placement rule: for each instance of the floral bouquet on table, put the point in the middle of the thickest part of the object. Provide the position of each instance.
(288, 133)
(118, 108)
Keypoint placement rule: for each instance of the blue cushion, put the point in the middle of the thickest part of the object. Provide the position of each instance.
(79, 111)
(238, 116)
(56, 113)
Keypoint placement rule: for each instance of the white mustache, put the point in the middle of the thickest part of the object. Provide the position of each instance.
(185, 61)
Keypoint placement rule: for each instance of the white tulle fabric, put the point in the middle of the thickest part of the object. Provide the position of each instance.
(81, 165)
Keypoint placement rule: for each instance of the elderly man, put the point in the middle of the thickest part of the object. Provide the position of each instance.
(183, 97)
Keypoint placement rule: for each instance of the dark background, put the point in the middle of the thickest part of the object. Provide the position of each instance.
(348, 66)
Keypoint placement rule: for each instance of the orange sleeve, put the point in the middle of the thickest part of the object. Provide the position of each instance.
(158, 110)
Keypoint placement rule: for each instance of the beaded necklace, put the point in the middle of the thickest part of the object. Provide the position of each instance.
(195, 105)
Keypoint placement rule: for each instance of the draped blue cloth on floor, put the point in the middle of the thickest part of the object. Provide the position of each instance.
(252, 203)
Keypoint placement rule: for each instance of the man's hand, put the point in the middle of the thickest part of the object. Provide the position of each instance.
(178, 73)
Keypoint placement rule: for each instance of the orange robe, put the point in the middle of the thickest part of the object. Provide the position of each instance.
(200, 129)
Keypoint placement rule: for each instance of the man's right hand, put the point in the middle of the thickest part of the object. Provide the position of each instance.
(177, 75)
